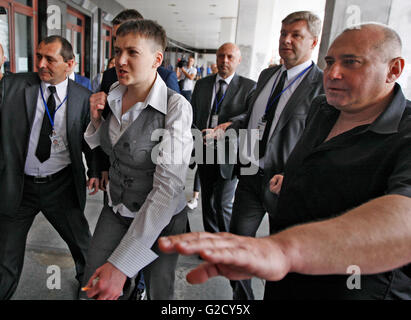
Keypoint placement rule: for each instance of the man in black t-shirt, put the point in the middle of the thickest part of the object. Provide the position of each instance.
(345, 200)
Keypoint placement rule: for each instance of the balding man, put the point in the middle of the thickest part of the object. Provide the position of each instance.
(345, 201)
(216, 99)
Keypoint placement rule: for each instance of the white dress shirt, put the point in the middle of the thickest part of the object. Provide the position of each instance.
(57, 160)
(134, 251)
(261, 103)
(216, 87)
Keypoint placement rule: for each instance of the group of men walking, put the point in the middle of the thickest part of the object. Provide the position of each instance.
(47, 122)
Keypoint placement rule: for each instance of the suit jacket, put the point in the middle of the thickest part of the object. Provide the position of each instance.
(18, 102)
(85, 82)
(289, 127)
(233, 104)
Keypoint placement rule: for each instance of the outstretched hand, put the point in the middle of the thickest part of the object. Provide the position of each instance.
(234, 257)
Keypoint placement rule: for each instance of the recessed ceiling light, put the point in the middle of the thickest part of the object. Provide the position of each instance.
(176, 12)
(213, 5)
(172, 5)
(211, 14)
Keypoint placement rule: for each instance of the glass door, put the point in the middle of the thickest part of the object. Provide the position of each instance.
(75, 34)
(106, 45)
(18, 34)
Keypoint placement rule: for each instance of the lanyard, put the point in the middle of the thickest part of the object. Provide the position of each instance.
(47, 109)
(279, 95)
(218, 103)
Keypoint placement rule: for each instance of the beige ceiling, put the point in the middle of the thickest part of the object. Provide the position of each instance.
(195, 23)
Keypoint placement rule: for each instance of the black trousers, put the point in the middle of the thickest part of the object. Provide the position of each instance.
(57, 200)
(248, 213)
(197, 184)
(216, 198)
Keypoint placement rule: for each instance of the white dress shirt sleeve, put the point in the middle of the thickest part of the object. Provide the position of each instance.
(92, 136)
(134, 251)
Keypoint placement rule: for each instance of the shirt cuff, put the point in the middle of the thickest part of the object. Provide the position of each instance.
(131, 256)
(92, 136)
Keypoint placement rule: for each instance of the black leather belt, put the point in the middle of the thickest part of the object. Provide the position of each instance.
(45, 179)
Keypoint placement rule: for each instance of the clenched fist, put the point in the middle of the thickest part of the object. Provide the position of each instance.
(97, 103)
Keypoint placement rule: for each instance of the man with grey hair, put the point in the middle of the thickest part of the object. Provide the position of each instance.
(345, 200)
(278, 110)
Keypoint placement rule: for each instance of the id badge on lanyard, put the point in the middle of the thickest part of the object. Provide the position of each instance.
(57, 142)
(262, 123)
(214, 121)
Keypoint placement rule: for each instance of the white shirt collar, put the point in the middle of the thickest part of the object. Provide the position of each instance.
(72, 76)
(156, 98)
(61, 89)
(294, 71)
(227, 80)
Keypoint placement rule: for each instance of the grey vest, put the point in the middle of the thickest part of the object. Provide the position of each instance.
(131, 169)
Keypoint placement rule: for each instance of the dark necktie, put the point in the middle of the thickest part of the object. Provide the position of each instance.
(271, 113)
(44, 144)
(217, 99)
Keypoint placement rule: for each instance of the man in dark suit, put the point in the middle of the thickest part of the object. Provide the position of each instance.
(278, 111)
(43, 117)
(216, 99)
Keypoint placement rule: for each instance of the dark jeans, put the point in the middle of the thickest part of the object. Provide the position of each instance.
(187, 94)
(158, 276)
(57, 200)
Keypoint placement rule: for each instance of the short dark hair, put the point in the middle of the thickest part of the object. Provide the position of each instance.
(66, 50)
(126, 15)
(147, 29)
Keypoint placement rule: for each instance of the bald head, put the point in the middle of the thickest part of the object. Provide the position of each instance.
(384, 39)
(362, 65)
(229, 46)
(228, 59)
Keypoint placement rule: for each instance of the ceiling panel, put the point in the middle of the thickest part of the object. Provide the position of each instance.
(195, 23)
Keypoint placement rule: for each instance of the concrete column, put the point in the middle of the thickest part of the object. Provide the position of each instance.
(254, 35)
(341, 14)
(227, 30)
(400, 21)
(258, 30)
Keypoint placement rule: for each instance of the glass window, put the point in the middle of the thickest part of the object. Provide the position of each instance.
(74, 20)
(28, 3)
(24, 43)
(71, 19)
(77, 50)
